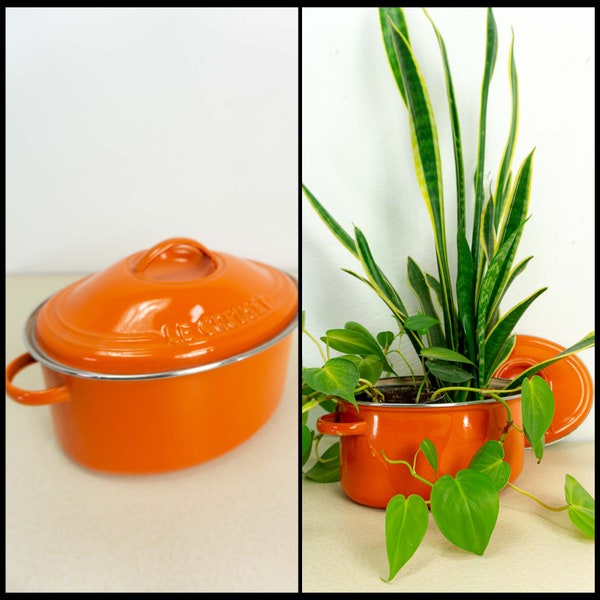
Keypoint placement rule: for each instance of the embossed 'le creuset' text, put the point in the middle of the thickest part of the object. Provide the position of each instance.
(218, 323)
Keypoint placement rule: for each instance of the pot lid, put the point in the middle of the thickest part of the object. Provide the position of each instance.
(173, 307)
(569, 379)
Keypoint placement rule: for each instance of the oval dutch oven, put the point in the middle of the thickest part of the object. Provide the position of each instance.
(168, 358)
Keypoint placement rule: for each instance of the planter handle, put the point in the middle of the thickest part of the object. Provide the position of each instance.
(31, 398)
(329, 425)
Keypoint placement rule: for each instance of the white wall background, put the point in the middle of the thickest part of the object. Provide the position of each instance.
(356, 158)
(128, 126)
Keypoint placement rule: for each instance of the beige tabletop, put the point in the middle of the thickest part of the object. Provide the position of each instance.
(230, 524)
(531, 549)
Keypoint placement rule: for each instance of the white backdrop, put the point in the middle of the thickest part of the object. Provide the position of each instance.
(128, 126)
(356, 158)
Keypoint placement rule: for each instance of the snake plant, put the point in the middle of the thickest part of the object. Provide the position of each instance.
(469, 335)
(464, 332)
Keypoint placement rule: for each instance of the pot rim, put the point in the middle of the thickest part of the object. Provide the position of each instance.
(394, 380)
(54, 365)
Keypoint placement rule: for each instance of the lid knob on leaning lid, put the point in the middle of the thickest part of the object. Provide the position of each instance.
(173, 307)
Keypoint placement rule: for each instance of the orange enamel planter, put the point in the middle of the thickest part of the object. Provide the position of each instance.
(457, 431)
(169, 358)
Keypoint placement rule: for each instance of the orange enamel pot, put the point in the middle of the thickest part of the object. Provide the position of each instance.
(457, 431)
(169, 358)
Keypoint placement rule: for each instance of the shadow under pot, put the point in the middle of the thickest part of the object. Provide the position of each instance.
(457, 431)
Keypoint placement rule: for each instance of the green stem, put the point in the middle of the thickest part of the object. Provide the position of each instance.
(316, 344)
(319, 458)
(410, 468)
(310, 405)
(552, 508)
(485, 392)
(376, 394)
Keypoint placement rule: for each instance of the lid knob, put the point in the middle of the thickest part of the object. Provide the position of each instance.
(174, 251)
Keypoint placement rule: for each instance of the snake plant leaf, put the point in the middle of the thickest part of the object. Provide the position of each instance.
(307, 438)
(516, 206)
(428, 167)
(491, 53)
(586, 342)
(399, 312)
(456, 137)
(448, 373)
(465, 509)
(582, 507)
(337, 377)
(406, 521)
(504, 171)
(428, 449)
(495, 278)
(373, 272)
(488, 232)
(418, 283)
(516, 271)
(434, 284)
(331, 223)
(423, 131)
(501, 356)
(465, 291)
(382, 285)
(327, 467)
(367, 282)
(440, 353)
(502, 331)
(387, 16)
(489, 460)
(493, 281)
(538, 411)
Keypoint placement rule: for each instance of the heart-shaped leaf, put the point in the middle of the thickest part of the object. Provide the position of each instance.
(337, 377)
(538, 411)
(355, 339)
(444, 354)
(350, 342)
(465, 509)
(406, 523)
(582, 507)
(430, 452)
(385, 339)
(489, 460)
(420, 323)
(446, 372)
(369, 368)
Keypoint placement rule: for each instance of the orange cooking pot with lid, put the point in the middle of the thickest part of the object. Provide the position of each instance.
(165, 359)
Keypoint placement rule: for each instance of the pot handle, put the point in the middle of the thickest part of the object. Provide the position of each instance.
(329, 425)
(154, 252)
(31, 398)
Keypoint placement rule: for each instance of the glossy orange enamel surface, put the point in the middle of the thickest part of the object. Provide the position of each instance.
(457, 432)
(174, 306)
(165, 311)
(36, 397)
(151, 426)
(133, 427)
(569, 380)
